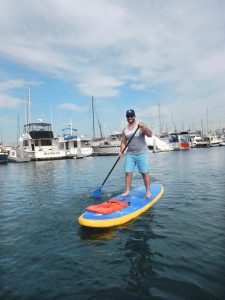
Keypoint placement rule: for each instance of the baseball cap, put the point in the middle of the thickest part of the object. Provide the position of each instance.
(130, 112)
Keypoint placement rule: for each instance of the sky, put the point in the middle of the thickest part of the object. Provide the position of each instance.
(164, 59)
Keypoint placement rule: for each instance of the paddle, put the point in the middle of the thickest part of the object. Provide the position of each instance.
(97, 192)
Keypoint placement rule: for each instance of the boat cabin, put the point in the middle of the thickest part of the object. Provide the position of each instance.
(40, 133)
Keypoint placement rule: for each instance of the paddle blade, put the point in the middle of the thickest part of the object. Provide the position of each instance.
(97, 192)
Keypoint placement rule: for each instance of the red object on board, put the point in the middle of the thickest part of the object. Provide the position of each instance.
(108, 207)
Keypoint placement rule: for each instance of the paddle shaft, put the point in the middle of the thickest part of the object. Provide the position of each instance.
(119, 156)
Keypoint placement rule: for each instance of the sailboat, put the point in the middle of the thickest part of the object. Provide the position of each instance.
(109, 145)
(17, 154)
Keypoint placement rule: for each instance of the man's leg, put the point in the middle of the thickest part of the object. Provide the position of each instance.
(129, 164)
(143, 168)
(128, 179)
(146, 179)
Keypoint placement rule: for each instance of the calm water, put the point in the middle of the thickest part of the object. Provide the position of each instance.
(176, 250)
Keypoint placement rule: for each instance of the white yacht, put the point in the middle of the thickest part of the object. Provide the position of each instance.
(212, 140)
(157, 144)
(39, 142)
(18, 155)
(177, 140)
(75, 146)
(107, 146)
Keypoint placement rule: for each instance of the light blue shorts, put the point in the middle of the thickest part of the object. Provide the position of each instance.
(141, 160)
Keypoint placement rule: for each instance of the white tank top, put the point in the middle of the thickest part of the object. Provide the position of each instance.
(138, 144)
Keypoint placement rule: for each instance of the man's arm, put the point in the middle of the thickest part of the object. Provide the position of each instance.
(147, 131)
(123, 143)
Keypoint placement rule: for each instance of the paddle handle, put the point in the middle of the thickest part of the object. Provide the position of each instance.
(119, 156)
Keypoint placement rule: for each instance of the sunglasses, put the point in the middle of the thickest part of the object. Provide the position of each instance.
(130, 116)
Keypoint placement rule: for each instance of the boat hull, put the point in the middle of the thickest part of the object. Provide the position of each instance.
(105, 150)
(3, 158)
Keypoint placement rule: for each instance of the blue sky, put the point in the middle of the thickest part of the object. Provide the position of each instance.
(125, 53)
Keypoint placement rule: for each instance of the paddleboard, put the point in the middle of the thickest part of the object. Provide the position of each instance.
(137, 204)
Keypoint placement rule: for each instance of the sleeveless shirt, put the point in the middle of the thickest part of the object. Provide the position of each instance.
(138, 144)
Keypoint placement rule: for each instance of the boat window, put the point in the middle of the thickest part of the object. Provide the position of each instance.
(46, 142)
(25, 143)
(61, 147)
(84, 143)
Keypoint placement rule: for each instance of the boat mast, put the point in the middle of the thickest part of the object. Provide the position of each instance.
(93, 118)
(18, 129)
(28, 111)
(207, 118)
(51, 116)
(160, 125)
(29, 106)
(202, 127)
(100, 127)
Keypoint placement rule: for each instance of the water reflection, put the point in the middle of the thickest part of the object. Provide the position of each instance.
(95, 234)
(139, 254)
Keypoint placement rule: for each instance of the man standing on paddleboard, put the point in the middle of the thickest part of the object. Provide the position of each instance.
(137, 151)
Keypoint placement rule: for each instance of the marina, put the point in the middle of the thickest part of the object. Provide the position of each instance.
(39, 142)
(175, 250)
(112, 150)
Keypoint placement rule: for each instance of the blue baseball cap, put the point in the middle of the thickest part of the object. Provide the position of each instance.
(130, 113)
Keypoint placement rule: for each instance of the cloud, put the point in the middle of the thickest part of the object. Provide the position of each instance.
(60, 43)
(8, 86)
(71, 106)
(9, 102)
(103, 46)
(100, 85)
(17, 84)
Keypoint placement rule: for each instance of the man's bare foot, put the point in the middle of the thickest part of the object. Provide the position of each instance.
(125, 194)
(148, 195)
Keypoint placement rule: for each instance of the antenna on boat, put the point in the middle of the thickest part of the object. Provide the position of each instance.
(71, 127)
